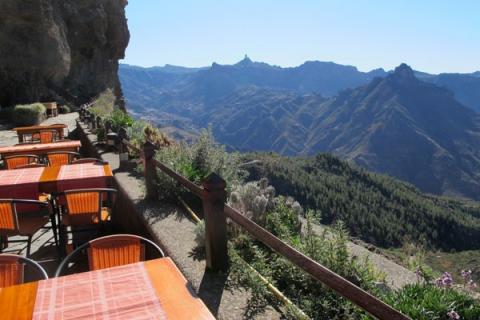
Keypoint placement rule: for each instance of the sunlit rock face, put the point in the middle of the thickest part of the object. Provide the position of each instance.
(63, 50)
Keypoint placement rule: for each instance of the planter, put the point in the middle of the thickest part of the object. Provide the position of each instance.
(111, 138)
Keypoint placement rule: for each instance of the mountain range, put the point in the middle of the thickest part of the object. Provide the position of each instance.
(144, 86)
(404, 123)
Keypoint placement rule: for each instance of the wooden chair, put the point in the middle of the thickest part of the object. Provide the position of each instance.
(112, 251)
(13, 162)
(61, 132)
(60, 158)
(84, 209)
(12, 269)
(25, 224)
(47, 135)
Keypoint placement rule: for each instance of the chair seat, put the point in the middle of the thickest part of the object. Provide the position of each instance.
(29, 225)
(86, 219)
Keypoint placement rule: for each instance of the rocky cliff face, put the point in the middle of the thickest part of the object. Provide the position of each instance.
(63, 50)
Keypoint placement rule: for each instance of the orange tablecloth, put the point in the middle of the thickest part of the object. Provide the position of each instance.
(40, 148)
(29, 183)
(75, 176)
(148, 290)
(20, 183)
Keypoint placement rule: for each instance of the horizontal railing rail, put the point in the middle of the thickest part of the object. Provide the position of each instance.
(213, 196)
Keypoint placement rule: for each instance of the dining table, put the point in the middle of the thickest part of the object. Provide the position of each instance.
(29, 183)
(30, 130)
(40, 149)
(153, 289)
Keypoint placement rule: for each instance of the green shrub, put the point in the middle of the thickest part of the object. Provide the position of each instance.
(101, 134)
(427, 302)
(29, 114)
(119, 119)
(140, 130)
(197, 160)
(104, 105)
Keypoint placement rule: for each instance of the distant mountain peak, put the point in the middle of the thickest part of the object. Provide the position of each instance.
(379, 72)
(246, 61)
(404, 71)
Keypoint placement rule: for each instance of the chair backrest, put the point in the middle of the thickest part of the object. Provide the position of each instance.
(60, 158)
(13, 162)
(83, 202)
(84, 206)
(9, 222)
(12, 269)
(47, 136)
(112, 251)
(8, 216)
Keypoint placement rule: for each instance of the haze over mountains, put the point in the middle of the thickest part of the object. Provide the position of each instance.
(389, 122)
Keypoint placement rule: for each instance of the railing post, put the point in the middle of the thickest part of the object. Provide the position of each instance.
(150, 170)
(213, 198)
(98, 122)
(86, 116)
(108, 126)
(122, 148)
(91, 123)
(81, 113)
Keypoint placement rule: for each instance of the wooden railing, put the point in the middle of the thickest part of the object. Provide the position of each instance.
(213, 195)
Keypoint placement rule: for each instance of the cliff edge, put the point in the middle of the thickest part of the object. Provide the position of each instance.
(60, 50)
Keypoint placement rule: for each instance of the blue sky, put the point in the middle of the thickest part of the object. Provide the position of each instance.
(432, 36)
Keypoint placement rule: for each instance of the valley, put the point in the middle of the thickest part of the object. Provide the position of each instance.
(403, 123)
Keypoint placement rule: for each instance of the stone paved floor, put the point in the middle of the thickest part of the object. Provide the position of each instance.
(43, 248)
(9, 137)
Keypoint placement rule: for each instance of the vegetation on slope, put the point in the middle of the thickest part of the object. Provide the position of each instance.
(426, 300)
(374, 207)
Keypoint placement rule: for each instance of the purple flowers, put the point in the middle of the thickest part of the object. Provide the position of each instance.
(419, 274)
(472, 285)
(445, 281)
(467, 275)
(453, 315)
(467, 278)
